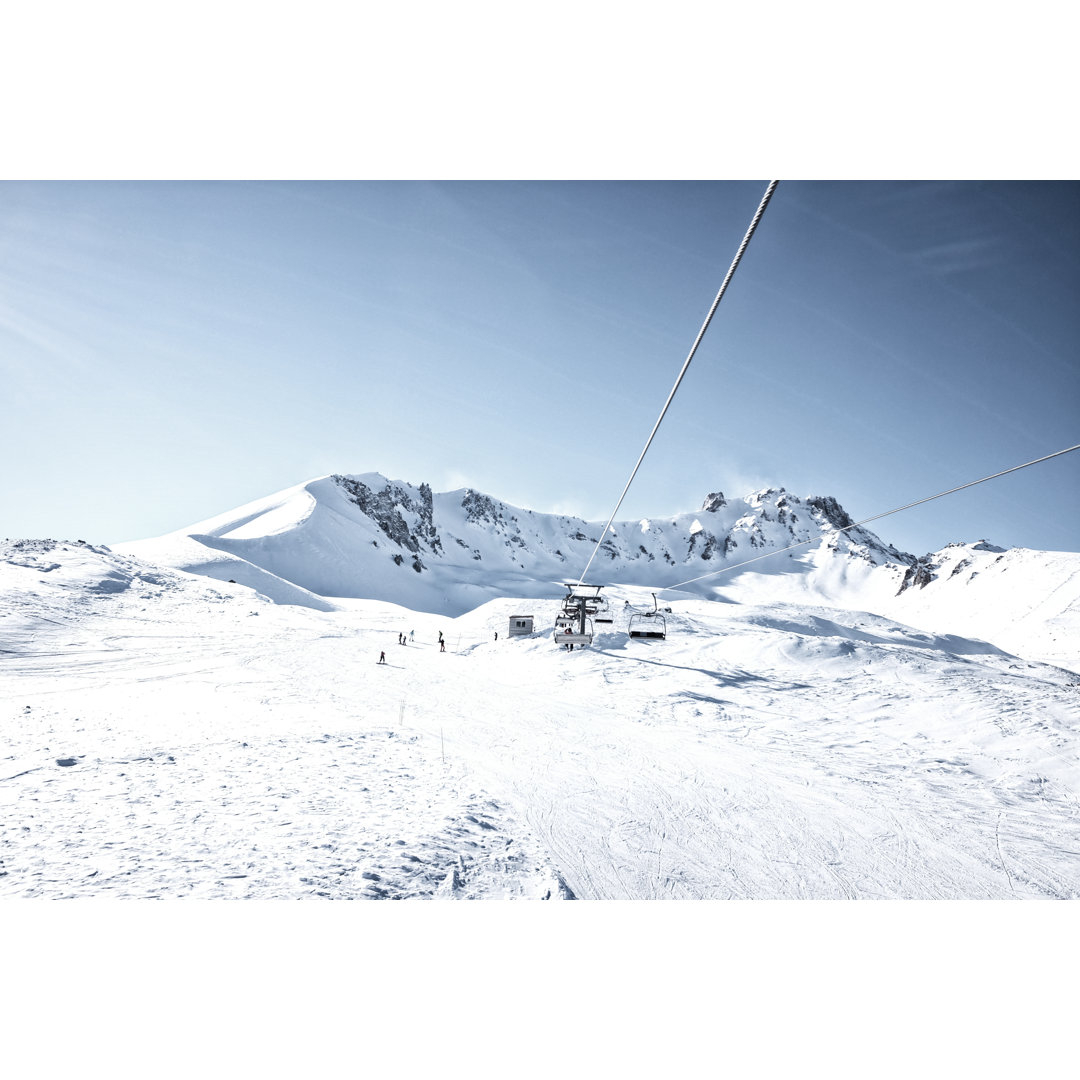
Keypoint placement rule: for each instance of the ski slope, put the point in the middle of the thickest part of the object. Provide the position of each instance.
(174, 736)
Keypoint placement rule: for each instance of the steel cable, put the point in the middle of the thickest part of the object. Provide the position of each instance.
(697, 341)
(876, 517)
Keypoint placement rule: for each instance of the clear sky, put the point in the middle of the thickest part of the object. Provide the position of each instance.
(170, 350)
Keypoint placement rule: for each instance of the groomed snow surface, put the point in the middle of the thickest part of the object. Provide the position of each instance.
(171, 736)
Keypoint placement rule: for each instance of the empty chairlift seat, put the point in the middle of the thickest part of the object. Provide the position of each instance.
(647, 624)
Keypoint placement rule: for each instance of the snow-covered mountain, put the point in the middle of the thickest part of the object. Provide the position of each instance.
(366, 537)
(315, 696)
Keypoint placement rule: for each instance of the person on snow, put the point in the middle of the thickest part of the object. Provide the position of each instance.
(382, 657)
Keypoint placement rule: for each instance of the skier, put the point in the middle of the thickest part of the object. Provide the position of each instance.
(412, 635)
(442, 645)
(382, 657)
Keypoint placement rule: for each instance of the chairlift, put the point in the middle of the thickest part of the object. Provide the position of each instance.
(648, 624)
(574, 625)
(603, 611)
(595, 605)
(578, 594)
(571, 606)
(568, 631)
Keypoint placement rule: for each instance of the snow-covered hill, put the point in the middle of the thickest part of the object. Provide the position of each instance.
(366, 537)
(260, 706)
(167, 735)
(1027, 602)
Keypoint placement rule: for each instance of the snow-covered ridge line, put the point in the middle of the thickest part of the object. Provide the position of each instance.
(362, 536)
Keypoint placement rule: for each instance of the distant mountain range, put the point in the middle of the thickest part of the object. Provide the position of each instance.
(367, 537)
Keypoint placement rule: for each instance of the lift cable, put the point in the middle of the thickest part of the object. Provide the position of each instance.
(701, 333)
(876, 517)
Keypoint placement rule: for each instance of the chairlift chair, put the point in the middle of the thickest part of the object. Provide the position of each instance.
(568, 631)
(648, 624)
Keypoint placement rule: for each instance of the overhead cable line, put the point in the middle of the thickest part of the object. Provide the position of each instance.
(876, 517)
(701, 333)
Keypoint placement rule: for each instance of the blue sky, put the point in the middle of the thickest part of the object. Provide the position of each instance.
(171, 350)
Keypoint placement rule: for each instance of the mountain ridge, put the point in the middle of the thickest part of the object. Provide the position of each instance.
(316, 535)
(346, 537)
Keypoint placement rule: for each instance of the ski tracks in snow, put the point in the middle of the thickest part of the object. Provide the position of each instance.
(805, 780)
(221, 748)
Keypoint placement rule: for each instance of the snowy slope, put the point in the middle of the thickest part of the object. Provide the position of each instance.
(168, 735)
(1028, 602)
